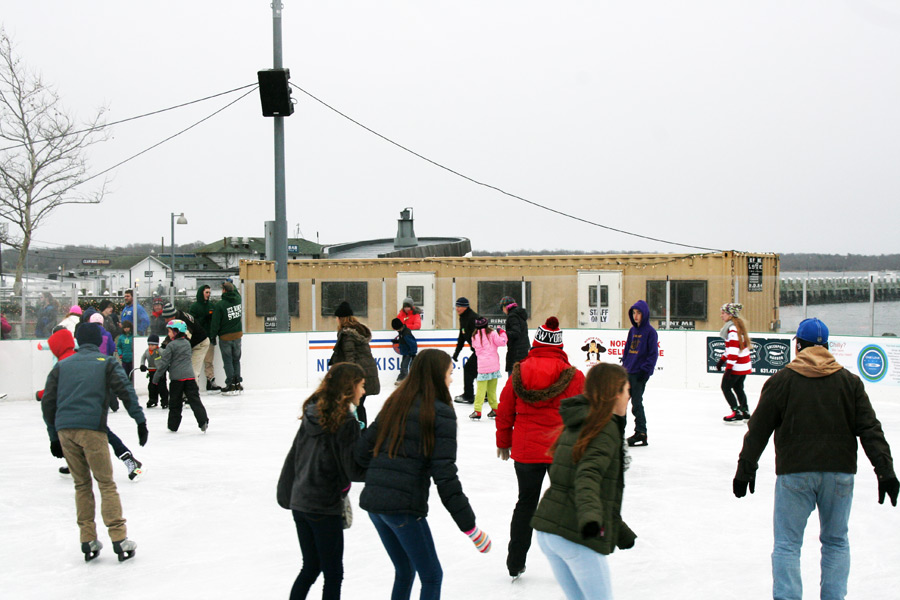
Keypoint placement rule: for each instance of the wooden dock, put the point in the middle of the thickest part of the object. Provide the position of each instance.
(835, 290)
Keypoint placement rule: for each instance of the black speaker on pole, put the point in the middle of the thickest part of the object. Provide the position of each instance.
(275, 92)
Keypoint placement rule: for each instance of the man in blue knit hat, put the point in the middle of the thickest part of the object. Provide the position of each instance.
(817, 410)
(467, 318)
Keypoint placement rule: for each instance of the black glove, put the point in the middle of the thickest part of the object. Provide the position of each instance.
(720, 363)
(889, 486)
(590, 530)
(142, 433)
(56, 450)
(625, 544)
(143, 368)
(740, 487)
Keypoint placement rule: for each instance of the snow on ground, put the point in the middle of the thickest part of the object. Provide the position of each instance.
(207, 525)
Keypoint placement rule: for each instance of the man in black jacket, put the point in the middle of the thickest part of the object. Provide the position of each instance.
(467, 318)
(817, 410)
(516, 330)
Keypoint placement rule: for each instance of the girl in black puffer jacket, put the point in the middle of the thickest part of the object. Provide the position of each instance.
(411, 442)
(316, 476)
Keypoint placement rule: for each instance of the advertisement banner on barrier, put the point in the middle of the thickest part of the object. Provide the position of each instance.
(874, 360)
(583, 347)
(768, 355)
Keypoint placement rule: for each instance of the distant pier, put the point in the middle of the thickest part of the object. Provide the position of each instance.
(836, 290)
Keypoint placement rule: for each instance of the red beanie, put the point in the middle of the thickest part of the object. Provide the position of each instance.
(549, 334)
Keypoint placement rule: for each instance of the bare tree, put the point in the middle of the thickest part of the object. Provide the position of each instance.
(43, 161)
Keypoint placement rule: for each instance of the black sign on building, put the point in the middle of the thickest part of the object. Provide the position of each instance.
(754, 274)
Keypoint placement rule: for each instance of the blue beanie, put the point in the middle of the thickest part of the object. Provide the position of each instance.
(462, 301)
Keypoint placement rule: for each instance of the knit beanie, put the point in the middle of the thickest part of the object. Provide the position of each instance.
(396, 324)
(168, 311)
(732, 308)
(75, 309)
(508, 302)
(343, 310)
(462, 301)
(549, 334)
(96, 318)
(153, 339)
(481, 323)
(89, 333)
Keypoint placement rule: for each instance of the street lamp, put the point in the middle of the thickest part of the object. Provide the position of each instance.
(181, 221)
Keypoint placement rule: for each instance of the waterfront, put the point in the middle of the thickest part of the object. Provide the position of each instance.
(851, 318)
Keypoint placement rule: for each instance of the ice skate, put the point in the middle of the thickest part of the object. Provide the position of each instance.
(463, 399)
(515, 575)
(745, 414)
(736, 417)
(638, 439)
(64, 472)
(229, 390)
(151, 404)
(239, 387)
(492, 414)
(133, 464)
(475, 416)
(124, 549)
(212, 387)
(91, 549)
(205, 426)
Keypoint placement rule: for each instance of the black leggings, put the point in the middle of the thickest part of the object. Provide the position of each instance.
(734, 384)
(322, 544)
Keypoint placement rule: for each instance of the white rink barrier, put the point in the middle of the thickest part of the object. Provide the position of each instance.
(299, 360)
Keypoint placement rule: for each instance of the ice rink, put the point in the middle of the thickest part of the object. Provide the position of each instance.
(207, 525)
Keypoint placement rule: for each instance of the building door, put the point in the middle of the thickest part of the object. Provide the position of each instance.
(420, 287)
(600, 299)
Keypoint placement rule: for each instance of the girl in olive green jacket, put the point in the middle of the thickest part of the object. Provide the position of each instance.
(579, 518)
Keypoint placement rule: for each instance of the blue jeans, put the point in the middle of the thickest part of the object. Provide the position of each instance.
(409, 544)
(796, 495)
(581, 572)
(231, 359)
(405, 361)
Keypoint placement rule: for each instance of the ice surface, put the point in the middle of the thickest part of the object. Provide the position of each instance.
(207, 525)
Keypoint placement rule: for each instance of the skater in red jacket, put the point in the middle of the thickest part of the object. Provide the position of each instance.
(528, 423)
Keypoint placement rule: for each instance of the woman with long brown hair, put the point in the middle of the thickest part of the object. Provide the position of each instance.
(579, 518)
(352, 345)
(736, 360)
(411, 442)
(316, 476)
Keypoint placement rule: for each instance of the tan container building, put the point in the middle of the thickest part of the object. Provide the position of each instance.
(582, 291)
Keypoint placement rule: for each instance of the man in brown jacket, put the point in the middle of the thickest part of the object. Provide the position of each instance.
(817, 410)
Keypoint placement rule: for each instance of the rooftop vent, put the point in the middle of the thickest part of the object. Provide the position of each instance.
(406, 237)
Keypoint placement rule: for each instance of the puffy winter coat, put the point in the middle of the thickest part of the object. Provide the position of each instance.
(400, 485)
(589, 491)
(411, 319)
(528, 420)
(319, 466)
(176, 359)
(352, 345)
(485, 346)
(70, 322)
(75, 395)
(517, 331)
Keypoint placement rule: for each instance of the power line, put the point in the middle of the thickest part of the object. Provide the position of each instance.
(144, 151)
(149, 114)
(495, 188)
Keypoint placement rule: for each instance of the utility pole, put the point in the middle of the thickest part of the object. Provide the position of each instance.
(281, 288)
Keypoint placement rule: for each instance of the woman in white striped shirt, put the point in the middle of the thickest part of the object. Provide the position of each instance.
(736, 361)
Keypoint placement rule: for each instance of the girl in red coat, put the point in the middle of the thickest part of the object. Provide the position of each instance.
(528, 424)
(410, 315)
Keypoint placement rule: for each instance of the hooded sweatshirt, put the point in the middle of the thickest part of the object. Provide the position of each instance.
(817, 410)
(528, 420)
(226, 317)
(642, 345)
(202, 309)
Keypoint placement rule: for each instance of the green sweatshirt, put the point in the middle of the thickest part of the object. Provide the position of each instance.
(226, 317)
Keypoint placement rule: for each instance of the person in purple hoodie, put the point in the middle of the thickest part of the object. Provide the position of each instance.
(639, 359)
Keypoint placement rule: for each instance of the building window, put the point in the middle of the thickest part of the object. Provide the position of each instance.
(604, 296)
(417, 294)
(490, 293)
(265, 299)
(687, 301)
(356, 293)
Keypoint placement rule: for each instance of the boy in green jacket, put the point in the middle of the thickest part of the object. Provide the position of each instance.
(226, 325)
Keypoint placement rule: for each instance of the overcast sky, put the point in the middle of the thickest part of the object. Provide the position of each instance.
(759, 126)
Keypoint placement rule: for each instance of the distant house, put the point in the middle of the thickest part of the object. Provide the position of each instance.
(228, 252)
(151, 275)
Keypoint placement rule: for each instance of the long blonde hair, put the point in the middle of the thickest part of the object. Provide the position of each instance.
(744, 340)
